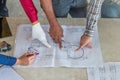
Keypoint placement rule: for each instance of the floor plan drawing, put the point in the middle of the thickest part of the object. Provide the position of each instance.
(67, 56)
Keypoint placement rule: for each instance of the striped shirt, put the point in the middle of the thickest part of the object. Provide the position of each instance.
(93, 11)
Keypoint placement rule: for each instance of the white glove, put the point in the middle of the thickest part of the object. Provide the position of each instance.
(38, 33)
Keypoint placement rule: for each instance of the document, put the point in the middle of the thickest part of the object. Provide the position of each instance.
(8, 73)
(109, 71)
(55, 57)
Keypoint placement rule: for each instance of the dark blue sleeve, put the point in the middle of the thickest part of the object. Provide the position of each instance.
(7, 60)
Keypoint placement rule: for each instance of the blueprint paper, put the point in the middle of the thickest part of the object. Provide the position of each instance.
(109, 71)
(8, 73)
(55, 57)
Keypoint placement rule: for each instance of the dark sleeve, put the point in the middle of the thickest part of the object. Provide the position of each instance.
(3, 8)
(7, 60)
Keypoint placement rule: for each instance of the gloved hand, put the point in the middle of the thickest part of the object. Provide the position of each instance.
(38, 33)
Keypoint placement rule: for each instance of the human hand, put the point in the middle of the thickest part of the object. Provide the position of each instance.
(56, 32)
(38, 33)
(85, 41)
(26, 59)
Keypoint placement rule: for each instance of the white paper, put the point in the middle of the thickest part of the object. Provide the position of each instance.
(109, 71)
(8, 73)
(55, 57)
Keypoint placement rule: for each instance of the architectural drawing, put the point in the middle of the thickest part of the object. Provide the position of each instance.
(53, 57)
(70, 50)
(108, 71)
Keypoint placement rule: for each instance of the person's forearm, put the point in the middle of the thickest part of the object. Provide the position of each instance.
(30, 10)
(48, 9)
(93, 11)
(7, 60)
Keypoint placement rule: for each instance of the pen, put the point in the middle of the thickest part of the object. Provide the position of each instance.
(32, 54)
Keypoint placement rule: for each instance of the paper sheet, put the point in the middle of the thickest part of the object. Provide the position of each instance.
(109, 71)
(8, 73)
(55, 57)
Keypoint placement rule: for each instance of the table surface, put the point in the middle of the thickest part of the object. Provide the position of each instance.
(109, 32)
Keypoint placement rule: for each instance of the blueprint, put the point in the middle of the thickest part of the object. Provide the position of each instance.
(109, 71)
(55, 57)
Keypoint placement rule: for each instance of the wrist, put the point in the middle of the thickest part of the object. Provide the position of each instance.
(89, 33)
(36, 26)
(34, 23)
(54, 24)
(18, 61)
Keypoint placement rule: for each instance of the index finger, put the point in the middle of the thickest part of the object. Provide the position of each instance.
(60, 42)
(81, 46)
(29, 55)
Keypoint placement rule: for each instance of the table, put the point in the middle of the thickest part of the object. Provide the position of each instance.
(109, 32)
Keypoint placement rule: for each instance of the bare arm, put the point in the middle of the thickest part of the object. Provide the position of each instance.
(48, 9)
(56, 31)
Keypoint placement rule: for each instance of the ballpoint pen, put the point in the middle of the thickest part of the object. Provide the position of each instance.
(32, 50)
(32, 54)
